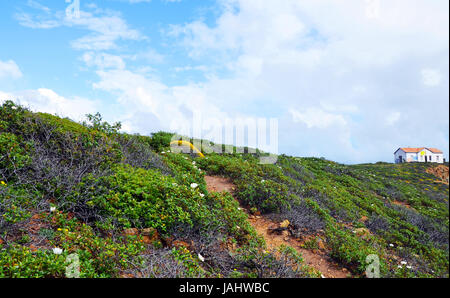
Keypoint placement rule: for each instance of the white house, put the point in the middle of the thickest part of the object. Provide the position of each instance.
(418, 155)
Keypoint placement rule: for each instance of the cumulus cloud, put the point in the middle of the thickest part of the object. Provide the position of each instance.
(340, 75)
(431, 77)
(9, 69)
(314, 117)
(48, 101)
(103, 60)
(332, 64)
(105, 27)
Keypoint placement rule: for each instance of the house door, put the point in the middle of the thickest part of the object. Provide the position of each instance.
(426, 158)
(401, 158)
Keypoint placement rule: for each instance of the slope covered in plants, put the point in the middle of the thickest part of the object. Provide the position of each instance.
(128, 206)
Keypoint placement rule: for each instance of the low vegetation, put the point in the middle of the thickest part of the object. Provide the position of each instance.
(129, 207)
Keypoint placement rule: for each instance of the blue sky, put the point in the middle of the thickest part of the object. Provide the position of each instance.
(347, 80)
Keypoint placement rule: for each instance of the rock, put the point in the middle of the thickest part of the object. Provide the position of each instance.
(286, 238)
(148, 240)
(284, 224)
(180, 243)
(131, 232)
(167, 241)
(36, 216)
(321, 245)
(151, 232)
(362, 232)
(285, 233)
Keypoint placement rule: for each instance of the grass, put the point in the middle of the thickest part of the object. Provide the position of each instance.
(102, 182)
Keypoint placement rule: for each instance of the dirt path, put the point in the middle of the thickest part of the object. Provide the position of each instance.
(316, 259)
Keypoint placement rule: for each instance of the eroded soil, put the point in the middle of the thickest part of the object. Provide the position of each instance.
(317, 258)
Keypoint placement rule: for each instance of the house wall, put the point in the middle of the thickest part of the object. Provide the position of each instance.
(398, 154)
(419, 157)
(411, 157)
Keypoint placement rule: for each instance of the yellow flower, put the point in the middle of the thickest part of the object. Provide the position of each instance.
(3, 183)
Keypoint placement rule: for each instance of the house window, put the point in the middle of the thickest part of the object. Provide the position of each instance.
(437, 157)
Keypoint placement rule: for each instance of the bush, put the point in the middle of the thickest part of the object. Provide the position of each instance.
(141, 198)
(20, 262)
(13, 156)
(160, 140)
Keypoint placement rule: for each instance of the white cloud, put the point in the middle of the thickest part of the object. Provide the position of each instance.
(334, 72)
(106, 28)
(48, 101)
(393, 118)
(357, 59)
(431, 77)
(317, 118)
(106, 31)
(103, 60)
(9, 69)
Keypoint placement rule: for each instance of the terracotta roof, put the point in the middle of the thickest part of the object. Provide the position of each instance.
(417, 150)
(434, 150)
(412, 150)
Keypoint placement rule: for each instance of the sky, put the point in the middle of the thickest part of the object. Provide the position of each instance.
(348, 80)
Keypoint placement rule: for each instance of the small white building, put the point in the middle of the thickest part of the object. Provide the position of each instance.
(418, 155)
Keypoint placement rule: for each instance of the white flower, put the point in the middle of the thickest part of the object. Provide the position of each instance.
(201, 258)
(409, 267)
(14, 107)
(163, 152)
(57, 251)
(193, 162)
(262, 181)
(52, 209)
(194, 185)
(400, 266)
(403, 262)
(202, 195)
(391, 245)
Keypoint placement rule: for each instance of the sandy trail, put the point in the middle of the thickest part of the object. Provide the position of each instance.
(316, 258)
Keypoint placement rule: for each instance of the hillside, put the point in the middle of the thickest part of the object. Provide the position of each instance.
(128, 207)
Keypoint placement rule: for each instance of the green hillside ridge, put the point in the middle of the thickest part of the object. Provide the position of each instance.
(127, 206)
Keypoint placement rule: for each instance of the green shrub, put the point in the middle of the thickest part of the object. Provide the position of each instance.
(160, 140)
(144, 198)
(20, 262)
